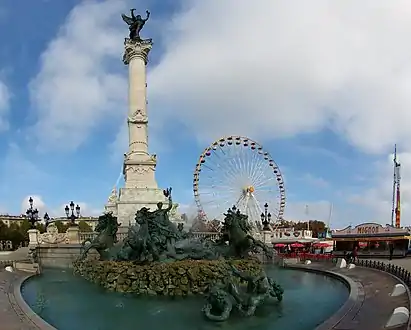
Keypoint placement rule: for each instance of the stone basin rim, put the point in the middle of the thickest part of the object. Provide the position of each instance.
(41, 324)
(26, 309)
(350, 303)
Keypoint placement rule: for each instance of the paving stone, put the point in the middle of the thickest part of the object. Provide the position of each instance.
(374, 306)
(11, 316)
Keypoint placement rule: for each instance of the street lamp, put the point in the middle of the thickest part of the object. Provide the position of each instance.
(72, 217)
(32, 214)
(266, 217)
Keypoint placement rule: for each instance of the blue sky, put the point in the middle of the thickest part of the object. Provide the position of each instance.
(326, 105)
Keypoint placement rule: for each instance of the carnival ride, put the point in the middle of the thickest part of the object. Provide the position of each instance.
(236, 170)
(396, 192)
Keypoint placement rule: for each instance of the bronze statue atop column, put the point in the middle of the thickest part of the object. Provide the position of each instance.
(135, 23)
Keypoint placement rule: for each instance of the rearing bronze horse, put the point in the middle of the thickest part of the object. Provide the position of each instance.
(238, 231)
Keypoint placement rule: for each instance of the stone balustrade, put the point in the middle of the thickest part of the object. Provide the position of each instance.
(53, 237)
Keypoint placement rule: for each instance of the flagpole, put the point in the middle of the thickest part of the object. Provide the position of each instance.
(398, 193)
(306, 214)
(394, 183)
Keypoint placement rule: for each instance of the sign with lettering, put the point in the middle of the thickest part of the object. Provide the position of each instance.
(370, 229)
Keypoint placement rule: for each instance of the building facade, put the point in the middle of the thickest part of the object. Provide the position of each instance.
(8, 220)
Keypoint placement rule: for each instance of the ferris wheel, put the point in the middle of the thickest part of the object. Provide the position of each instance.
(236, 170)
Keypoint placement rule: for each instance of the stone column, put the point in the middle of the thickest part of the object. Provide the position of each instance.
(73, 235)
(267, 239)
(33, 237)
(139, 165)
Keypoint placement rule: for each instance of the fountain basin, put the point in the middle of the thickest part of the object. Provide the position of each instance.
(70, 302)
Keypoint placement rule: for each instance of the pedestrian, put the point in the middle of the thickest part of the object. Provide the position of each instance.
(391, 247)
(355, 254)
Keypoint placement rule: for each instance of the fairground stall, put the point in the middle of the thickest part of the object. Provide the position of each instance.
(372, 239)
(300, 244)
(286, 236)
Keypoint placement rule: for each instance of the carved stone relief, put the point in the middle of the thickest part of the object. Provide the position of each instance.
(52, 236)
(140, 170)
(138, 117)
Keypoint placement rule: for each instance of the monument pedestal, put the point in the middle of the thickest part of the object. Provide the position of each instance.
(111, 207)
(133, 199)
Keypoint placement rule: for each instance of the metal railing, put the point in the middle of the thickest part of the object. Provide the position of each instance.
(209, 235)
(84, 236)
(395, 270)
(120, 236)
(401, 272)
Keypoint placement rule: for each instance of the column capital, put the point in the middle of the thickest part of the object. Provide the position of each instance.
(136, 48)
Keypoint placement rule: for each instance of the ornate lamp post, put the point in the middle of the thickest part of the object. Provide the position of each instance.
(72, 217)
(32, 214)
(266, 217)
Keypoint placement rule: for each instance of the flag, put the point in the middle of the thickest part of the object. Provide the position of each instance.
(398, 209)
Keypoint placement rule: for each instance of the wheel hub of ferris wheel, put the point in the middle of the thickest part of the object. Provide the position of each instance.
(235, 170)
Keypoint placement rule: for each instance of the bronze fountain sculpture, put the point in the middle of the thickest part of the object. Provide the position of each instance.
(154, 238)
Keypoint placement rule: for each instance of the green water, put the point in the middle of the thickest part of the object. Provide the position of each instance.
(70, 303)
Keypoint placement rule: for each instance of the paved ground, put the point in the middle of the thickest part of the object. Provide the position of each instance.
(373, 307)
(20, 254)
(11, 316)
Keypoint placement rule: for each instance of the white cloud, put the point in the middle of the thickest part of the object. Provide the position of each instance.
(286, 67)
(76, 88)
(38, 204)
(289, 67)
(378, 198)
(5, 96)
(86, 210)
(316, 182)
(303, 211)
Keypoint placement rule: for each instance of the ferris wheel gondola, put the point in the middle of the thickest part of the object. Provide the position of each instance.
(236, 170)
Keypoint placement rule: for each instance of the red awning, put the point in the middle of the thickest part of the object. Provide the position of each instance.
(297, 245)
(279, 245)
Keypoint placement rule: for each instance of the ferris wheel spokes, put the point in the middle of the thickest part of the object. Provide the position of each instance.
(235, 170)
(242, 203)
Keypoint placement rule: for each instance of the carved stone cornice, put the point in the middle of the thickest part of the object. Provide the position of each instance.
(138, 117)
(136, 48)
(136, 158)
